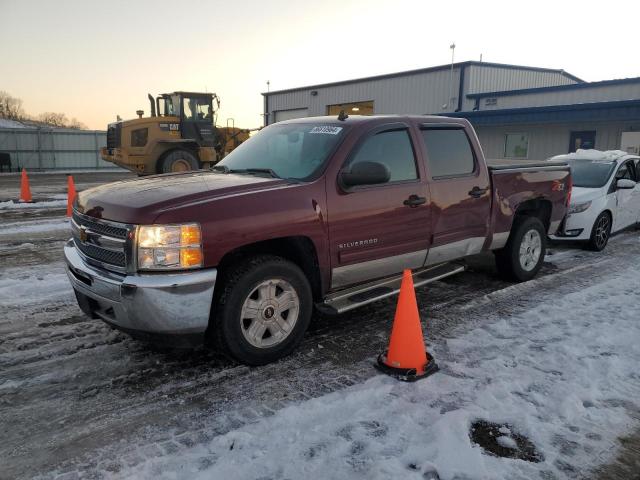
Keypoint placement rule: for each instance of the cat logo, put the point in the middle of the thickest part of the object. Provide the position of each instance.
(83, 234)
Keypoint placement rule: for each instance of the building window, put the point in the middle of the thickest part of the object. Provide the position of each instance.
(516, 145)
(353, 108)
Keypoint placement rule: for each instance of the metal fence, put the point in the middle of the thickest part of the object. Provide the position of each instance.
(50, 149)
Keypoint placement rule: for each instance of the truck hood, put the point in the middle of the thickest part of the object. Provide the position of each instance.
(141, 200)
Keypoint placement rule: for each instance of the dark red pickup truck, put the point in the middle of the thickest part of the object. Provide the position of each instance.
(320, 212)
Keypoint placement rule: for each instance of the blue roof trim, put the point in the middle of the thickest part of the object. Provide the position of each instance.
(583, 112)
(574, 86)
(426, 70)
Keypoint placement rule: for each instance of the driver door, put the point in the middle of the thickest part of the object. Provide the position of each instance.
(379, 230)
(197, 121)
(627, 200)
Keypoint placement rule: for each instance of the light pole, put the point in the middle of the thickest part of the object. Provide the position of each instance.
(453, 51)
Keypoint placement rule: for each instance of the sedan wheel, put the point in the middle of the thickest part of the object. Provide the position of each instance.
(600, 233)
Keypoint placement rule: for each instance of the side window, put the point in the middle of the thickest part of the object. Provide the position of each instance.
(393, 149)
(624, 172)
(449, 152)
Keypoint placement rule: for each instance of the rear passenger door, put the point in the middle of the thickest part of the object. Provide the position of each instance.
(379, 230)
(460, 193)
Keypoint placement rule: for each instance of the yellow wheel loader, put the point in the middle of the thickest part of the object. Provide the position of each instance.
(179, 135)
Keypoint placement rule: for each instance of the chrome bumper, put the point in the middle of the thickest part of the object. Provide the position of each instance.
(159, 303)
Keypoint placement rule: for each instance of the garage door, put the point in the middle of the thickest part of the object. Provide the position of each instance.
(282, 115)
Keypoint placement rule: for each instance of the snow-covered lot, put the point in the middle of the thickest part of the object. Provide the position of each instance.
(553, 360)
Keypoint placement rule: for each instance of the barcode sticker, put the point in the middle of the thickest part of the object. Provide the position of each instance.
(326, 129)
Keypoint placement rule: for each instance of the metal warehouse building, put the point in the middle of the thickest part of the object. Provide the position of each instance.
(52, 148)
(519, 112)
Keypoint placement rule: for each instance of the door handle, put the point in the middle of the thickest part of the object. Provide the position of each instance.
(414, 201)
(477, 192)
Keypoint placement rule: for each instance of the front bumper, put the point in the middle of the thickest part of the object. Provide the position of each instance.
(159, 305)
(576, 226)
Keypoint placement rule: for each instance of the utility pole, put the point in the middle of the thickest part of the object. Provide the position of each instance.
(453, 50)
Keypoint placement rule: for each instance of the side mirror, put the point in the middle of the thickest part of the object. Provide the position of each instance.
(625, 184)
(365, 173)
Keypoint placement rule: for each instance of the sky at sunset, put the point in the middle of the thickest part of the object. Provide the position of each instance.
(94, 60)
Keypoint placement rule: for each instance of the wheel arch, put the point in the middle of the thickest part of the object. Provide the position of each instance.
(539, 208)
(299, 250)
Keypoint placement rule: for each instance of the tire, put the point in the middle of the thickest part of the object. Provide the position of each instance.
(600, 233)
(179, 161)
(250, 321)
(523, 255)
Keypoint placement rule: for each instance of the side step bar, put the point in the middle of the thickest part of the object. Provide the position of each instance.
(360, 295)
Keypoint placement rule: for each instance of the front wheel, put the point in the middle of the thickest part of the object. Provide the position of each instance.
(179, 161)
(263, 310)
(600, 233)
(522, 256)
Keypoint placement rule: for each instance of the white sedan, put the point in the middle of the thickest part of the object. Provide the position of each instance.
(605, 196)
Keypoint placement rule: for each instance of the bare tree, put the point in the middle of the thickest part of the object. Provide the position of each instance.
(75, 123)
(10, 107)
(54, 119)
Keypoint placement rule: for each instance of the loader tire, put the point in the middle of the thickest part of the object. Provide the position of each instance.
(179, 161)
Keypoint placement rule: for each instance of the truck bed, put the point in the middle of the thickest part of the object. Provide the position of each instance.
(510, 164)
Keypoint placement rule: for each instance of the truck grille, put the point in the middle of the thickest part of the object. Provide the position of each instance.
(104, 243)
(113, 135)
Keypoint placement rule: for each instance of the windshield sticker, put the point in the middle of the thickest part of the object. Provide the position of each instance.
(327, 130)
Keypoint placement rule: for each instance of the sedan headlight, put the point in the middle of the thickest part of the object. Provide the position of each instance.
(579, 207)
(169, 247)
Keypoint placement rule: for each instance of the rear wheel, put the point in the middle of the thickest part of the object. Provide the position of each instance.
(600, 232)
(179, 161)
(522, 256)
(263, 311)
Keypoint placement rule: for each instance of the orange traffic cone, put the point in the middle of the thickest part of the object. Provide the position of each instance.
(25, 191)
(407, 358)
(71, 195)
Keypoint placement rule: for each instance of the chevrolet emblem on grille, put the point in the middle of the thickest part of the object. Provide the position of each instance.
(83, 234)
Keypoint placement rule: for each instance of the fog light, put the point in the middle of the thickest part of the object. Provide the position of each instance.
(573, 233)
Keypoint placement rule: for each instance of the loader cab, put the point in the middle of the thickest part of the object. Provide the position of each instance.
(196, 112)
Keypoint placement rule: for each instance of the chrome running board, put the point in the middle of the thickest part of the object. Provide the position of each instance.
(366, 293)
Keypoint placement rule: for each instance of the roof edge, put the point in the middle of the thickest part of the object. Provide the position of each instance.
(543, 108)
(506, 93)
(425, 70)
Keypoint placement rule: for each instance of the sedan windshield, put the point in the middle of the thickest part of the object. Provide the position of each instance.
(590, 174)
(294, 151)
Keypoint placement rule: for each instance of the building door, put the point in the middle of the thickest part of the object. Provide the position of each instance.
(585, 139)
(282, 115)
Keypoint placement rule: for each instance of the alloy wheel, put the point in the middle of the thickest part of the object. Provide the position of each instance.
(269, 313)
(530, 250)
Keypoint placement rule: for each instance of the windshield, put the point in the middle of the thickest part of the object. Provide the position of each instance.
(590, 174)
(197, 109)
(290, 151)
(171, 105)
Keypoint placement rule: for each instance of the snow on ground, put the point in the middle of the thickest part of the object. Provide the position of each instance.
(564, 374)
(35, 226)
(55, 203)
(33, 285)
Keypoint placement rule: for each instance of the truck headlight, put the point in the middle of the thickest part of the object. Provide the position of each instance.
(579, 207)
(169, 247)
